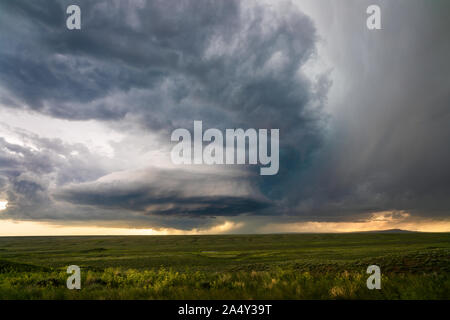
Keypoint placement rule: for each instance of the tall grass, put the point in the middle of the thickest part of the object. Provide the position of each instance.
(413, 266)
(114, 283)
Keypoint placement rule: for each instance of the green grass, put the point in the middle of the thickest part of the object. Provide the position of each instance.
(294, 266)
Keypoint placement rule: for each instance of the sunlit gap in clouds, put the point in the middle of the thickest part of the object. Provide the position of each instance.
(42, 228)
(3, 205)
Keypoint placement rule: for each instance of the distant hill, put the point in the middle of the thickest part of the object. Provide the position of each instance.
(390, 231)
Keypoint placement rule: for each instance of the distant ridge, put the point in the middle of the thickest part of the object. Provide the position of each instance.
(344, 232)
(389, 231)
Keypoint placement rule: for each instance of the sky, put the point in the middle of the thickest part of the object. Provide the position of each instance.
(86, 116)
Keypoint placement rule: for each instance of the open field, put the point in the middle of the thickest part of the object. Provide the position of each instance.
(290, 266)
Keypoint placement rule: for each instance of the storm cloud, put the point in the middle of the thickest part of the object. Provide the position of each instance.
(366, 134)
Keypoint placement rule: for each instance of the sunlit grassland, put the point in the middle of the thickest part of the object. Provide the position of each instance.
(290, 266)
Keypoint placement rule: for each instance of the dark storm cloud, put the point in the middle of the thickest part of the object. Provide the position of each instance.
(388, 144)
(159, 65)
(149, 199)
(27, 174)
(54, 180)
(225, 62)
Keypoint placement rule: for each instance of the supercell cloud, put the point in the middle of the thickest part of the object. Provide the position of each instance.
(86, 115)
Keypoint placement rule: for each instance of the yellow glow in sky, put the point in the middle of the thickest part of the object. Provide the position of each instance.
(31, 228)
(379, 221)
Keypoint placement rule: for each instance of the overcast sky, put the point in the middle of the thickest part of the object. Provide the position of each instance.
(86, 115)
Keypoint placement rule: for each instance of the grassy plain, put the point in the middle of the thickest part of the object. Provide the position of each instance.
(284, 266)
